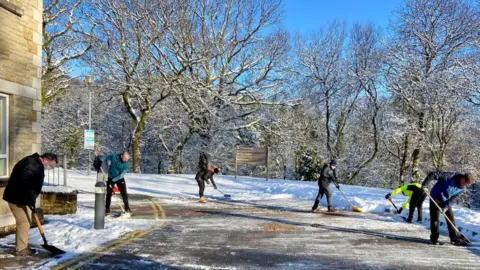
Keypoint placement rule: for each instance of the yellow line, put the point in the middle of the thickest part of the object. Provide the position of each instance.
(118, 243)
(99, 249)
(155, 211)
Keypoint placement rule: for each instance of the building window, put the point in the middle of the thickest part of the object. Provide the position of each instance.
(3, 135)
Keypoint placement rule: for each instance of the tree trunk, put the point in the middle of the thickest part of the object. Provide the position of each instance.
(364, 164)
(159, 167)
(416, 158)
(403, 162)
(136, 154)
(327, 124)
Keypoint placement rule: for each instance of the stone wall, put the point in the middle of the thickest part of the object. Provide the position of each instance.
(21, 43)
(59, 203)
(20, 80)
(20, 74)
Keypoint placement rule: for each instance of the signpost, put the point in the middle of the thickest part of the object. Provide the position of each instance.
(251, 156)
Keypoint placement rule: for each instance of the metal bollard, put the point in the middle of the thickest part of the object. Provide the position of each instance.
(99, 206)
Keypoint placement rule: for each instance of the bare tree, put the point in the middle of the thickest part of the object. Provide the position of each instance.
(67, 36)
(125, 57)
(321, 69)
(424, 54)
(229, 65)
(366, 56)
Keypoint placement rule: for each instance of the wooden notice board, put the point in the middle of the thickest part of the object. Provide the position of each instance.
(251, 156)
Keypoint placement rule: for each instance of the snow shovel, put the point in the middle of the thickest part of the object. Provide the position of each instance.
(446, 218)
(404, 218)
(390, 200)
(52, 249)
(354, 208)
(226, 196)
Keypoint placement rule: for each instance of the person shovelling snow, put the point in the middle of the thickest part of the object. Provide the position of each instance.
(448, 187)
(205, 175)
(23, 187)
(415, 199)
(116, 176)
(327, 176)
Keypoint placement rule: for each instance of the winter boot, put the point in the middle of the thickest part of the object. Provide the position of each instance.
(202, 200)
(26, 252)
(434, 240)
(332, 210)
(459, 242)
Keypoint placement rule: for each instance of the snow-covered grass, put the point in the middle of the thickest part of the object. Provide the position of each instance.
(75, 233)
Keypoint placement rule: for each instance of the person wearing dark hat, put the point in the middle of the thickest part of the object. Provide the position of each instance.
(327, 176)
(448, 187)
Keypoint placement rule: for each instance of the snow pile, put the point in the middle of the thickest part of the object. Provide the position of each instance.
(57, 189)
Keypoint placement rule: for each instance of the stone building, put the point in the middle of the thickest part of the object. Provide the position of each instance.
(20, 87)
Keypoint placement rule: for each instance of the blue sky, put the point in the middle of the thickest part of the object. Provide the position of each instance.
(305, 16)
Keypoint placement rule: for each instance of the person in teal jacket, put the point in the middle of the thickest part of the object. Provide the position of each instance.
(118, 167)
(415, 199)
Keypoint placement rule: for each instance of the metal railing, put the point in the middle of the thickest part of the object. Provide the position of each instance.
(58, 175)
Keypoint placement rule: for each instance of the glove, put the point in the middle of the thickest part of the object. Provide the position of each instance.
(208, 182)
(425, 190)
(444, 208)
(400, 211)
(388, 196)
(215, 186)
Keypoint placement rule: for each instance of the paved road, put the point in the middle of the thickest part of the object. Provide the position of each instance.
(259, 235)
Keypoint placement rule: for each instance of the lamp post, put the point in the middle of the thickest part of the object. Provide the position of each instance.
(89, 80)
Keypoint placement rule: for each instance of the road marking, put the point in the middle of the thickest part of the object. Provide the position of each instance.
(104, 250)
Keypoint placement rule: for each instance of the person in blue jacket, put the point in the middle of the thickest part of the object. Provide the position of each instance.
(116, 176)
(448, 187)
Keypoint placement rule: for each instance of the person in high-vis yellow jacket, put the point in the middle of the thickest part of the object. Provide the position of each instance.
(415, 195)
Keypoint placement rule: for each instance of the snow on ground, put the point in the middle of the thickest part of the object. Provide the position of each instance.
(257, 189)
(75, 233)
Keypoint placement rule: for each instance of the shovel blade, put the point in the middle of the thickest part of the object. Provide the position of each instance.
(54, 250)
(356, 209)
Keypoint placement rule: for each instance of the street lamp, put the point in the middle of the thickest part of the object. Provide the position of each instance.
(89, 80)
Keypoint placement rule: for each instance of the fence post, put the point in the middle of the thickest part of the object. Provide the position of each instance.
(65, 170)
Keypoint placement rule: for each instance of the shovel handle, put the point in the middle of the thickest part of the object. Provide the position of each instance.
(39, 226)
(393, 204)
(37, 220)
(346, 198)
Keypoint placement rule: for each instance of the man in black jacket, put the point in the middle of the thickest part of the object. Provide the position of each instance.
(327, 176)
(23, 187)
(204, 175)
